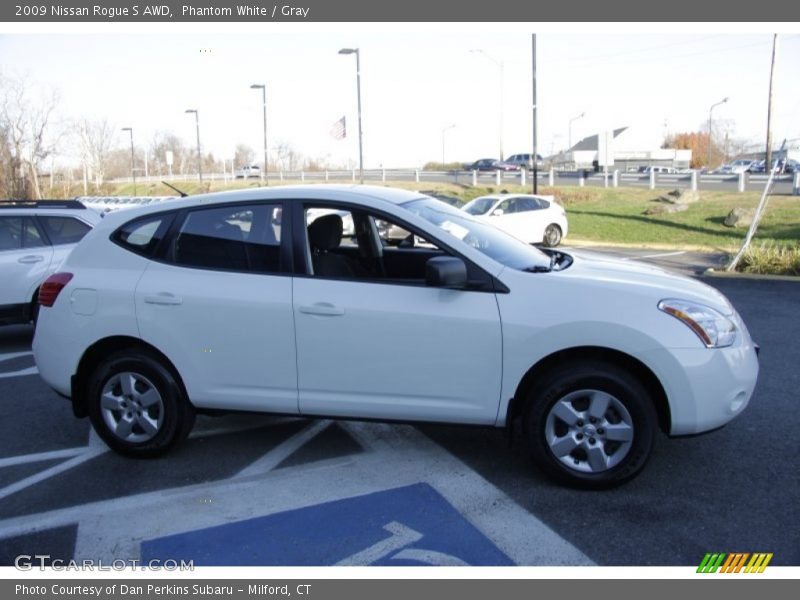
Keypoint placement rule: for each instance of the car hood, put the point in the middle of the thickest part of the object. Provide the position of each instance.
(664, 283)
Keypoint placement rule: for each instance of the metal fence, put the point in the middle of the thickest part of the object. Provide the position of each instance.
(692, 180)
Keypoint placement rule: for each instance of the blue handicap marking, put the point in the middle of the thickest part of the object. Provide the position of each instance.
(412, 525)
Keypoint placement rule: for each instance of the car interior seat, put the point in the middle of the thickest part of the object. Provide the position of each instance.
(325, 235)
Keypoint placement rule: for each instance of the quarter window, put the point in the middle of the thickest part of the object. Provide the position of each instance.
(64, 230)
(143, 235)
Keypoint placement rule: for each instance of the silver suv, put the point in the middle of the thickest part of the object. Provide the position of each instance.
(35, 238)
(523, 161)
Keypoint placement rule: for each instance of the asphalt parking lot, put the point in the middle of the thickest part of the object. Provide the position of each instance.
(268, 490)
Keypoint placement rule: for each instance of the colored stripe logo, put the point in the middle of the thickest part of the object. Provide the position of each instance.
(734, 562)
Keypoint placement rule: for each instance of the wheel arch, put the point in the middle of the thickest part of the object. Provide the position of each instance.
(95, 354)
(641, 371)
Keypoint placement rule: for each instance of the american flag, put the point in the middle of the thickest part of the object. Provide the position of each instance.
(338, 130)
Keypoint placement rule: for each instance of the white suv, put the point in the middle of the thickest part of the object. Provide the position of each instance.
(35, 238)
(240, 301)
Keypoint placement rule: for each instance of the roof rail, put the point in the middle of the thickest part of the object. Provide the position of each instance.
(41, 204)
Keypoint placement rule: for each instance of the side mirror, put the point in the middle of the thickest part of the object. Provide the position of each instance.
(497, 212)
(446, 272)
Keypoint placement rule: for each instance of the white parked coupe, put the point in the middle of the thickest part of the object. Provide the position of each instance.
(532, 219)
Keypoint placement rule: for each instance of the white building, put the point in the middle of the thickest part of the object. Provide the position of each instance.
(616, 150)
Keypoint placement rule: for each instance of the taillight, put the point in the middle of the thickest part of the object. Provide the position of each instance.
(51, 288)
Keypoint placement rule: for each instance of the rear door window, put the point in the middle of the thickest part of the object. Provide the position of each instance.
(234, 238)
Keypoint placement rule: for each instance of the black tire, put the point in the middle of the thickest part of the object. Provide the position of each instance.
(561, 450)
(552, 236)
(35, 310)
(167, 421)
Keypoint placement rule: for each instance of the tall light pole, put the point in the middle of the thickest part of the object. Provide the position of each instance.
(263, 88)
(199, 155)
(444, 129)
(133, 171)
(710, 110)
(358, 91)
(533, 116)
(499, 64)
(569, 131)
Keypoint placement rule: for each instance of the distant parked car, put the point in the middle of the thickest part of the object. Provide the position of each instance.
(532, 219)
(248, 171)
(523, 161)
(482, 164)
(657, 169)
(742, 165)
(35, 238)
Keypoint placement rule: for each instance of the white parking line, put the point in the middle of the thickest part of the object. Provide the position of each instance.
(12, 355)
(21, 373)
(40, 456)
(654, 255)
(51, 472)
(284, 450)
(115, 528)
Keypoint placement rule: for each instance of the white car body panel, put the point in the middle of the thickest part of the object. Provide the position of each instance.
(397, 352)
(23, 270)
(230, 335)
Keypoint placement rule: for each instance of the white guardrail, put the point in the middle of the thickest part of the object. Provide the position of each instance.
(690, 179)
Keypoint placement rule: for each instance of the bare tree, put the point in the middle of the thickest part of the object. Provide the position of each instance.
(97, 139)
(162, 143)
(243, 156)
(25, 136)
(288, 158)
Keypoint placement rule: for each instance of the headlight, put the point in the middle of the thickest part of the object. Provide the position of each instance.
(713, 328)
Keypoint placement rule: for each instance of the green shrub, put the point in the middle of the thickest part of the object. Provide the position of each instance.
(772, 259)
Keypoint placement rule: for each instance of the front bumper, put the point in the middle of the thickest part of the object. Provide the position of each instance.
(706, 387)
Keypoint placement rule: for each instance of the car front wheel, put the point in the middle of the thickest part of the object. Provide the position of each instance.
(590, 424)
(552, 236)
(137, 406)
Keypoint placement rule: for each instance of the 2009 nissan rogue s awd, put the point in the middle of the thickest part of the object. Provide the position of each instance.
(241, 301)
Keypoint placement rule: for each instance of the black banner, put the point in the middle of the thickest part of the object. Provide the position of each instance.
(389, 589)
(264, 11)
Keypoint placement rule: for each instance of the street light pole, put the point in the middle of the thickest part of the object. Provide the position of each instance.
(710, 110)
(133, 171)
(569, 132)
(263, 88)
(443, 132)
(199, 155)
(500, 66)
(533, 95)
(358, 91)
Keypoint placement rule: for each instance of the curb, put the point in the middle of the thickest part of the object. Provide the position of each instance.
(711, 272)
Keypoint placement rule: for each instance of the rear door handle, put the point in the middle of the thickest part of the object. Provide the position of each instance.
(31, 258)
(163, 298)
(322, 309)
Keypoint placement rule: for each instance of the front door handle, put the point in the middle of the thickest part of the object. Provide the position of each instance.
(322, 309)
(31, 258)
(164, 299)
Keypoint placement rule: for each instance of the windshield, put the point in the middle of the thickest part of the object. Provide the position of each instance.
(492, 242)
(479, 206)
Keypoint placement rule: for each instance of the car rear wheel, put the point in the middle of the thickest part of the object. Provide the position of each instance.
(552, 235)
(590, 424)
(137, 406)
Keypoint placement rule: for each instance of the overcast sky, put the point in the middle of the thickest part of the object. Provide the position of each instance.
(416, 80)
